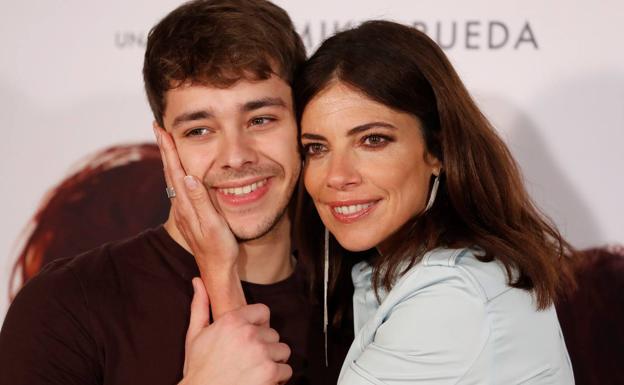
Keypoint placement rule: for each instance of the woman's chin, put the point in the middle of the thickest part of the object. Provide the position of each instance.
(354, 242)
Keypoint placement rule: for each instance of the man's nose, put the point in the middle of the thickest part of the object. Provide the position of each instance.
(236, 151)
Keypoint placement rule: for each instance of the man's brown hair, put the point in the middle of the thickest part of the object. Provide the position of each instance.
(217, 43)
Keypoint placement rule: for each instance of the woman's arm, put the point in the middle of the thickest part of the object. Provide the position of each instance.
(435, 335)
(204, 230)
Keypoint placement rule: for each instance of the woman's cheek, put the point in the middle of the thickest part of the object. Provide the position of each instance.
(311, 179)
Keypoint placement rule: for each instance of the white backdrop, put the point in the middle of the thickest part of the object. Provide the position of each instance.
(550, 75)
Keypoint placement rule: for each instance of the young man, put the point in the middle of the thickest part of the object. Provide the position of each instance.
(217, 75)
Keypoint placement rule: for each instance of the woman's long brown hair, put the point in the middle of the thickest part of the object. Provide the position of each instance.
(481, 201)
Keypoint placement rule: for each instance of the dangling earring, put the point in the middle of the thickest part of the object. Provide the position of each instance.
(434, 192)
(325, 284)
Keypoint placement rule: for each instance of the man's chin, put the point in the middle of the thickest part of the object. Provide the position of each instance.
(252, 229)
(247, 235)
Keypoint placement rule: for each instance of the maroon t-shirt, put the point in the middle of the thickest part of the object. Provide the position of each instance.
(118, 315)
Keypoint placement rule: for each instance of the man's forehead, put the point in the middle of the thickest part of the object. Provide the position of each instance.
(242, 97)
(240, 92)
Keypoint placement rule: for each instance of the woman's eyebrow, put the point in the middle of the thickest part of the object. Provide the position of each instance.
(353, 131)
(312, 136)
(368, 126)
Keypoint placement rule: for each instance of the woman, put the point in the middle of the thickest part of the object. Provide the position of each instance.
(399, 160)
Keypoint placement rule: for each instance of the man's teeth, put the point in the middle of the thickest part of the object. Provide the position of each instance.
(242, 190)
(352, 209)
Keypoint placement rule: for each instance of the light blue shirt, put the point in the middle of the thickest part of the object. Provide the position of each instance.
(452, 319)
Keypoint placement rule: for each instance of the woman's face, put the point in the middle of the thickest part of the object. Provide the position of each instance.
(366, 166)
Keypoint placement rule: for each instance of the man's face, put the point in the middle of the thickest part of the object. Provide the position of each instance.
(241, 142)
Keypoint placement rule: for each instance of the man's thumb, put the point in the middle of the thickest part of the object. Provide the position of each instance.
(200, 310)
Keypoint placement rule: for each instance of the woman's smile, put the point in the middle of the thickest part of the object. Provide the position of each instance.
(352, 211)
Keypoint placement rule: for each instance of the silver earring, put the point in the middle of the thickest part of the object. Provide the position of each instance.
(434, 192)
(325, 284)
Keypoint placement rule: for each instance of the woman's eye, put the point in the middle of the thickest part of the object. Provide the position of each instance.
(375, 140)
(313, 149)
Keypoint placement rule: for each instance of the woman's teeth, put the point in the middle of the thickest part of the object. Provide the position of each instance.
(352, 209)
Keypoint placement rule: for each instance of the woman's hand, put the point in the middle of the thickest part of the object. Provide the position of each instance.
(205, 231)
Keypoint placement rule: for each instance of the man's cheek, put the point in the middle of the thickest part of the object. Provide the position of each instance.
(191, 163)
(282, 150)
(191, 158)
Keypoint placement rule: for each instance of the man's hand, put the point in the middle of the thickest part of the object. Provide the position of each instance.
(204, 229)
(235, 349)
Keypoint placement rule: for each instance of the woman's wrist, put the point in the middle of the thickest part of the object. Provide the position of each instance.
(219, 272)
(224, 290)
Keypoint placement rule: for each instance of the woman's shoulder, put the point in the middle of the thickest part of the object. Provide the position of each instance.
(458, 269)
(455, 274)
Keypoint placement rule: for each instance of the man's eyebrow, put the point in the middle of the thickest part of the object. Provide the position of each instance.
(264, 102)
(368, 126)
(191, 116)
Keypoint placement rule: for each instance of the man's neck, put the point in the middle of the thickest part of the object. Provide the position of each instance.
(264, 260)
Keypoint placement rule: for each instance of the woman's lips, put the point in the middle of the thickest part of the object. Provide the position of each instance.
(351, 211)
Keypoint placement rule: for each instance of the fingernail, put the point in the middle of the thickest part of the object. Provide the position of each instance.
(194, 283)
(190, 182)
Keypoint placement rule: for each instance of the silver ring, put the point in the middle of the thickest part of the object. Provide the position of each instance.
(170, 192)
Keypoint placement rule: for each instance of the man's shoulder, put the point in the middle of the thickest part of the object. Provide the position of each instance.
(114, 255)
(92, 268)
(72, 307)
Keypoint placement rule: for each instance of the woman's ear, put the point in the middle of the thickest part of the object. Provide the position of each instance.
(434, 162)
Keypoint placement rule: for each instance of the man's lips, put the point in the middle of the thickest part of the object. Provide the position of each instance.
(352, 210)
(243, 192)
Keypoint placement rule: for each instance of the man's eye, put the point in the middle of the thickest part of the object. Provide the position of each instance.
(197, 132)
(313, 149)
(259, 121)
